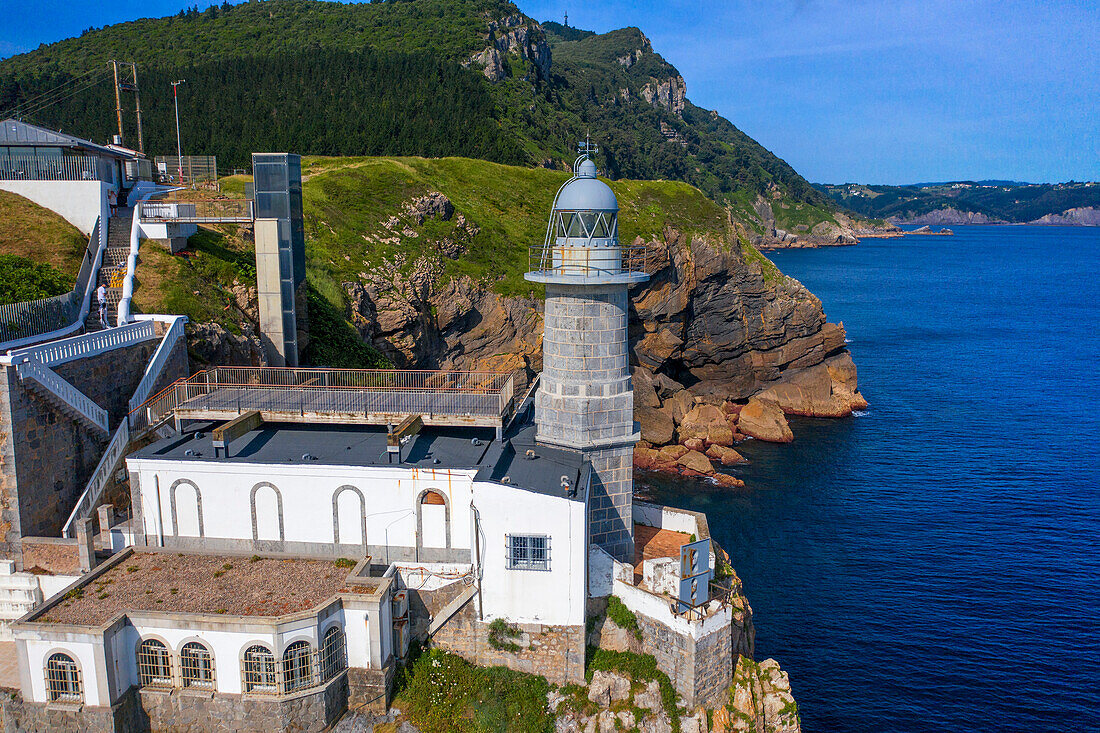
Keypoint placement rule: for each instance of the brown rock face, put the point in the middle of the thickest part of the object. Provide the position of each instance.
(825, 390)
(727, 456)
(645, 388)
(763, 419)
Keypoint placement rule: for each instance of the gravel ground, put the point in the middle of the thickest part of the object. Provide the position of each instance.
(235, 586)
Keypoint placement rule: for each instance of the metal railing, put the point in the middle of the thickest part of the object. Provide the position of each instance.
(594, 261)
(328, 391)
(24, 167)
(200, 211)
(35, 317)
(297, 670)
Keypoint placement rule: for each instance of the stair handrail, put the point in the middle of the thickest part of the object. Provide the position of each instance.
(30, 368)
(123, 315)
(156, 364)
(114, 452)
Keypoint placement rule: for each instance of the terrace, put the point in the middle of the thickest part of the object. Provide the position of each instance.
(341, 396)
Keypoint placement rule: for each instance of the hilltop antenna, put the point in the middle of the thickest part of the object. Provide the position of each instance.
(567, 19)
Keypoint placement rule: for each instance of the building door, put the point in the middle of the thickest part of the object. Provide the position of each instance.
(349, 517)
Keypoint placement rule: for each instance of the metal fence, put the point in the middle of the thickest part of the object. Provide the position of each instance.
(194, 168)
(200, 211)
(353, 392)
(595, 261)
(33, 317)
(30, 167)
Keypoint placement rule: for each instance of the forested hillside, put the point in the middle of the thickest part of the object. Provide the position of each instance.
(474, 78)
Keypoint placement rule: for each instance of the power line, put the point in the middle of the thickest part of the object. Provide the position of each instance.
(62, 85)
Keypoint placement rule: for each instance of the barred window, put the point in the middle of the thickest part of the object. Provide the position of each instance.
(63, 679)
(196, 665)
(259, 670)
(528, 552)
(154, 664)
(297, 667)
(333, 658)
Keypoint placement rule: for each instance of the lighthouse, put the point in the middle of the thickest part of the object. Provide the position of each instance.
(585, 401)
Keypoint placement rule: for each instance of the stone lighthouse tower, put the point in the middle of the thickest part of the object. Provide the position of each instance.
(585, 400)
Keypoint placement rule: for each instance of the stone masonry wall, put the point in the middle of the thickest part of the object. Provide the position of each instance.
(369, 689)
(188, 711)
(700, 670)
(46, 457)
(19, 716)
(555, 652)
(54, 554)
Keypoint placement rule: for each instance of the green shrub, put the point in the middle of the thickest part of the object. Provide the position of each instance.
(623, 616)
(500, 633)
(22, 279)
(343, 562)
(442, 693)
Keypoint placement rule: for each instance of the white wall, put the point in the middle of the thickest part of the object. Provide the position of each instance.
(390, 497)
(38, 651)
(79, 202)
(556, 596)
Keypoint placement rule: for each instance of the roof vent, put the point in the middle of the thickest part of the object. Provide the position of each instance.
(530, 454)
(475, 441)
(189, 452)
(199, 435)
(565, 482)
(436, 461)
(506, 480)
(308, 457)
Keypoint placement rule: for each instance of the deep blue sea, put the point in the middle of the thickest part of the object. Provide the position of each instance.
(934, 563)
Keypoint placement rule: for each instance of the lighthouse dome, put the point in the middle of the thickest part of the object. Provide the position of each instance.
(585, 192)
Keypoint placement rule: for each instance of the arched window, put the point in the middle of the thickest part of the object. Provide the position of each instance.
(63, 679)
(196, 665)
(433, 498)
(297, 667)
(154, 664)
(259, 670)
(332, 654)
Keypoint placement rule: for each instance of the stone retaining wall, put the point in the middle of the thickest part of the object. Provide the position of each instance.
(369, 689)
(701, 669)
(555, 652)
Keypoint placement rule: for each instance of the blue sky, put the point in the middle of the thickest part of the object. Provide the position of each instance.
(874, 91)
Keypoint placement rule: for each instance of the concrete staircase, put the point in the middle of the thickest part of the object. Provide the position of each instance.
(19, 594)
(112, 270)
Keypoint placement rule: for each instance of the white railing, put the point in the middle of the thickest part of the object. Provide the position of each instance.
(86, 345)
(22, 167)
(129, 283)
(36, 371)
(159, 360)
(114, 453)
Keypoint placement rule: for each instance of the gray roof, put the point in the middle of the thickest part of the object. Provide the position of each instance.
(17, 132)
(365, 445)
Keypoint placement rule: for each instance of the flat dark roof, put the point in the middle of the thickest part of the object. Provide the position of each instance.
(365, 446)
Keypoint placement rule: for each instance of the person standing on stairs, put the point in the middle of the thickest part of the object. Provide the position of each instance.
(101, 296)
(112, 200)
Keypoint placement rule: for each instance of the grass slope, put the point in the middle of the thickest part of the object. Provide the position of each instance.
(40, 252)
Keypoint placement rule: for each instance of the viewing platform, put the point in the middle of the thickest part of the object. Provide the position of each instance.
(206, 211)
(341, 396)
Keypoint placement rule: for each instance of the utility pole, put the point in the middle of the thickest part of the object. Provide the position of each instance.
(137, 101)
(179, 147)
(118, 100)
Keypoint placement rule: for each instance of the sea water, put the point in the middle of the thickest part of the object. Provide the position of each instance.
(933, 563)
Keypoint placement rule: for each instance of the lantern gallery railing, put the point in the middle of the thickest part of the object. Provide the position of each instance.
(363, 396)
(595, 261)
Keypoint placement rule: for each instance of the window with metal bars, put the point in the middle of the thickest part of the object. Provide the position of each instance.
(297, 667)
(154, 664)
(196, 665)
(528, 552)
(333, 657)
(259, 670)
(63, 679)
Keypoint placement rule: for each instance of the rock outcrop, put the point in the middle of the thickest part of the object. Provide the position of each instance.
(516, 35)
(669, 93)
(760, 700)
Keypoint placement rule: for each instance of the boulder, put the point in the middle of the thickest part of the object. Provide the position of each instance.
(727, 456)
(645, 457)
(679, 405)
(763, 419)
(724, 479)
(671, 453)
(650, 697)
(657, 427)
(658, 723)
(694, 444)
(693, 460)
(827, 389)
(701, 420)
(645, 388)
(667, 386)
(615, 638)
(607, 721)
(608, 687)
(696, 723)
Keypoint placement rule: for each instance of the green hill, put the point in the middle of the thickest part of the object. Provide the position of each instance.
(40, 252)
(472, 78)
(360, 227)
